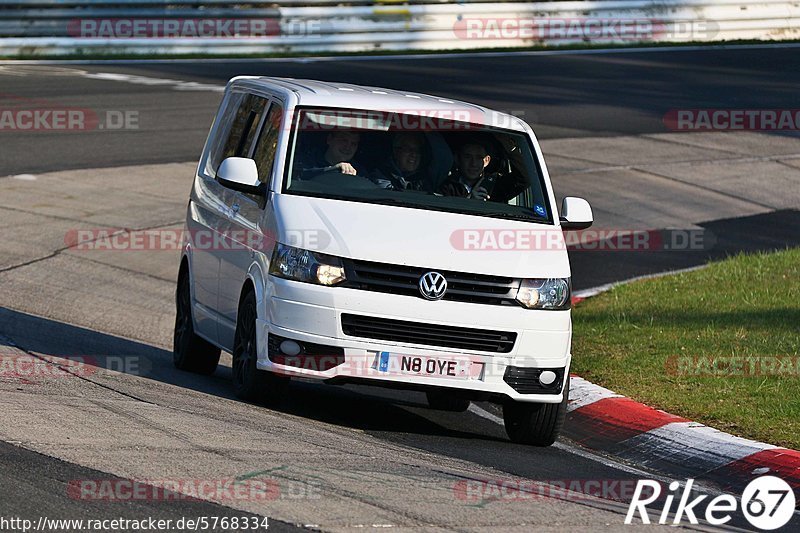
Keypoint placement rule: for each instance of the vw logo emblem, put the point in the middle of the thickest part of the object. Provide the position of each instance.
(432, 285)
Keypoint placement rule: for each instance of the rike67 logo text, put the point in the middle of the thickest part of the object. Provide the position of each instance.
(767, 502)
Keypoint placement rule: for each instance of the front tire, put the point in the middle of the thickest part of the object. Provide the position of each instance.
(536, 424)
(190, 352)
(250, 383)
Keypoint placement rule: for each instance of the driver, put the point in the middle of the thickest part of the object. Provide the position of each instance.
(472, 159)
(342, 146)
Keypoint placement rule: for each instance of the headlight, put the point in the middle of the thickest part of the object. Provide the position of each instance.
(552, 293)
(303, 265)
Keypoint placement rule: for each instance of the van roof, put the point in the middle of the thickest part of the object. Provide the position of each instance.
(351, 96)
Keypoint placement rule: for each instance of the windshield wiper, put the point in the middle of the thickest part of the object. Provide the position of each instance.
(513, 216)
(398, 201)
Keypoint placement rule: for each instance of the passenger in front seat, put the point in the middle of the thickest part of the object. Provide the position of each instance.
(404, 168)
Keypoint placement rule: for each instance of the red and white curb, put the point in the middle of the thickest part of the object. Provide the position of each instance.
(612, 425)
(600, 419)
(604, 421)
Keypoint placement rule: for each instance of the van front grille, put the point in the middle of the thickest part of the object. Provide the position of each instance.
(428, 334)
(399, 279)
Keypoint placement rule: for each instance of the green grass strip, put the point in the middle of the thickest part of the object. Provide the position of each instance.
(719, 345)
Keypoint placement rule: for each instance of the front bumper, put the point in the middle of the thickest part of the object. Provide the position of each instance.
(312, 314)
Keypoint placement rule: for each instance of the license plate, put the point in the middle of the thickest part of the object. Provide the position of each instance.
(423, 365)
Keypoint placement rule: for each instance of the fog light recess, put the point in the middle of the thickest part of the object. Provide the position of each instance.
(547, 377)
(288, 347)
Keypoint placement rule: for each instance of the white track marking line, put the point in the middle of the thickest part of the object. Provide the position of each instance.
(594, 291)
(483, 413)
(178, 85)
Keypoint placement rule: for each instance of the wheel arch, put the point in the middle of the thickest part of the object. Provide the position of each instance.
(185, 269)
(254, 281)
(184, 265)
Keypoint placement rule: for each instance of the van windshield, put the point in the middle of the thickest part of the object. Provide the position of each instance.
(409, 160)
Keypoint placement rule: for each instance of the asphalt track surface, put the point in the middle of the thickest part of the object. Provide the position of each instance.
(563, 96)
(37, 482)
(566, 96)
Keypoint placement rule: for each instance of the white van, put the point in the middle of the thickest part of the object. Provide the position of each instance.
(362, 235)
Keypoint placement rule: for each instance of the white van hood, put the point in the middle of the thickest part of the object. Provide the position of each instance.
(422, 238)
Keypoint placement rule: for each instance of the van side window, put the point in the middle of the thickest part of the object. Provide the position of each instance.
(221, 130)
(264, 154)
(243, 126)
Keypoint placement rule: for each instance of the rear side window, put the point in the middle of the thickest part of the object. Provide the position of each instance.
(264, 153)
(239, 128)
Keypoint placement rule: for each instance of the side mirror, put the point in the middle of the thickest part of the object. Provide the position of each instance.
(576, 213)
(240, 174)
